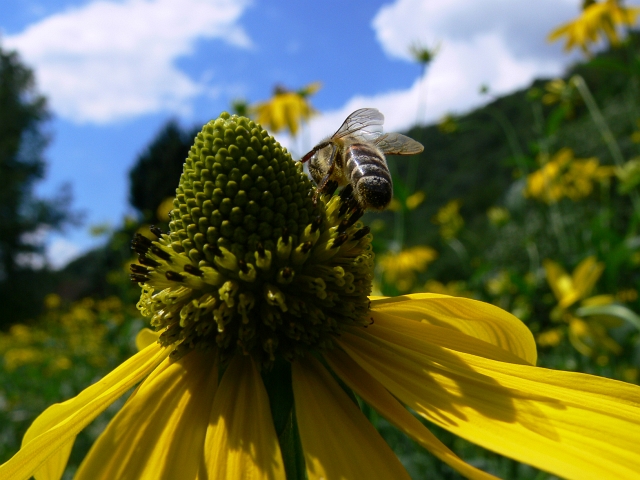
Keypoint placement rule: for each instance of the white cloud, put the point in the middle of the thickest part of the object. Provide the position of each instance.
(60, 252)
(106, 60)
(498, 43)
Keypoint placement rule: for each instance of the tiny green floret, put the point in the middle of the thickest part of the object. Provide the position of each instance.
(250, 263)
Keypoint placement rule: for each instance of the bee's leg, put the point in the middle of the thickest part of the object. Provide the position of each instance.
(320, 146)
(322, 186)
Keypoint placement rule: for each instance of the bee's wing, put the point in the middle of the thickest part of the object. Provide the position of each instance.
(398, 144)
(365, 124)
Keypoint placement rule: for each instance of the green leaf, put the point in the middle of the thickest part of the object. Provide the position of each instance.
(613, 310)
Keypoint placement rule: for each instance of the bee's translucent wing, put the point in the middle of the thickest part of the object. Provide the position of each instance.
(398, 144)
(365, 123)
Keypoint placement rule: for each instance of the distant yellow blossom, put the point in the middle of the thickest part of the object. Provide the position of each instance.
(453, 288)
(163, 210)
(78, 332)
(449, 220)
(564, 176)
(448, 124)
(629, 175)
(558, 91)
(498, 216)
(587, 334)
(400, 268)
(286, 109)
(415, 200)
(597, 21)
(411, 203)
(500, 284)
(550, 338)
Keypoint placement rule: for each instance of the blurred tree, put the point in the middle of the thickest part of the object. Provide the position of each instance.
(23, 217)
(155, 174)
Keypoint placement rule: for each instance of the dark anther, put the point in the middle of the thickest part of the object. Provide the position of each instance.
(136, 277)
(156, 231)
(260, 249)
(372, 321)
(306, 246)
(356, 213)
(339, 240)
(174, 276)
(140, 244)
(361, 233)
(287, 272)
(285, 236)
(149, 262)
(135, 268)
(243, 266)
(315, 225)
(158, 252)
(346, 193)
(347, 204)
(192, 270)
(212, 249)
(329, 188)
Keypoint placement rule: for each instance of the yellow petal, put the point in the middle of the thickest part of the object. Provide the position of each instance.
(146, 337)
(561, 284)
(413, 335)
(47, 442)
(337, 439)
(382, 401)
(586, 275)
(477, 319)
(241, 441)
(160, 431)
(570, 424)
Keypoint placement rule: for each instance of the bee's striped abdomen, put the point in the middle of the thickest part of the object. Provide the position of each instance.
(369, 175)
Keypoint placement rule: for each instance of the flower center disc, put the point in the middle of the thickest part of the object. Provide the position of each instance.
(250, 264)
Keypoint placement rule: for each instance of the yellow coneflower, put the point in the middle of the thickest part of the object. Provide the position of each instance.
(588, 334)
(564, 176)
(449, 219)
(260, 301)
(400, 268)
(286, 109)
(597, 21)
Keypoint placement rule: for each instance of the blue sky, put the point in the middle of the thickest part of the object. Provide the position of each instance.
(116, 71)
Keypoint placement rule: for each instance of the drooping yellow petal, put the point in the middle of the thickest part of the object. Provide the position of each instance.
(412, 334)
(241, 441)
(380, 399)
(586, 275)
(337, 439)
(477, 319)
(47, 442)
(561, 284)
(570, 424)
(146, 337)
(160, 431)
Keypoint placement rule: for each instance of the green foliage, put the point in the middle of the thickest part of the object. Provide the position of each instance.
(154, 176)
(23, 216)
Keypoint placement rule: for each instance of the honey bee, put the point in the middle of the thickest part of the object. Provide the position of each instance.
(354, 157)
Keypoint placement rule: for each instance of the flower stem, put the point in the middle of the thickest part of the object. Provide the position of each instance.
(605, 131)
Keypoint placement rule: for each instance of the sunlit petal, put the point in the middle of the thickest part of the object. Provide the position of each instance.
(477, 319)
(337, 439)
(241, 441)
(381, 400)
(412, 334)
(164, 419)
(146, 337)
(47, 442)
(570, 424)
